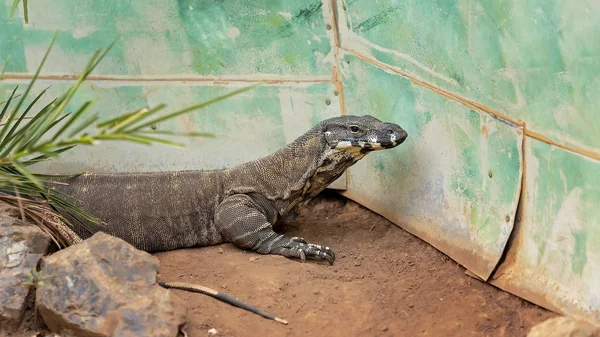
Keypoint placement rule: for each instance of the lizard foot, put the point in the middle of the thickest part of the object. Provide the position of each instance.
(304, 251)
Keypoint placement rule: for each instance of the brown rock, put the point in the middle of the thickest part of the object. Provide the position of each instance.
(564, 327)
(21, 248)
(103, 286)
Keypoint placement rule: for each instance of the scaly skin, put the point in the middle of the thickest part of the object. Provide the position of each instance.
(171, 210)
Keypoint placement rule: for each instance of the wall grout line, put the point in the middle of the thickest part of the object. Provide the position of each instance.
(275, 79)
(337, 76)
(476, 106)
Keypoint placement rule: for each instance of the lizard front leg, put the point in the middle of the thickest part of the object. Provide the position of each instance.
(247, 221)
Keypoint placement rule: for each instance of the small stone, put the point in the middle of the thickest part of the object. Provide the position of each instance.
(254, 258)
(220, 250)
(212, 331)
(564, 326)
(103, 286)
(21, 248)
(384, 328)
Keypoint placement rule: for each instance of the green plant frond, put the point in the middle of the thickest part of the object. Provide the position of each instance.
(25, 172)
(27, 150)
(26, 138)
(13, 9)
(7, 104)
(84, 125)
(7, 138)
(34, 78)
(25, 11)
(73, 118)
(178, 134)
(194, 107)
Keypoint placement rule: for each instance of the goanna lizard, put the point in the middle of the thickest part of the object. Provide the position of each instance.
(163, 211)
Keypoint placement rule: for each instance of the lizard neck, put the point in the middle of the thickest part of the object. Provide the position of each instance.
(293, 175)
(296, 173)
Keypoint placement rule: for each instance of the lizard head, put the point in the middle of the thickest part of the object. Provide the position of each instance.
(361, 134)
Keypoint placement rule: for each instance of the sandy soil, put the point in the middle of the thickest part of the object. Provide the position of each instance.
(385, 282)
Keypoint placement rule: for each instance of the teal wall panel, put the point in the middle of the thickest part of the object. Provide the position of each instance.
(172, 38)
(437, 184)
(533, 60)
(554, 259)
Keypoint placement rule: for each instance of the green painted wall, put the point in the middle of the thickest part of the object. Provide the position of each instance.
(498, 98)
(438, 183)
(533, 60)
(187, 37)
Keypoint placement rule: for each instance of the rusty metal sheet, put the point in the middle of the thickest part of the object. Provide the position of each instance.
(554, 259)
(455, 182)
(532, 60)
(248, 126)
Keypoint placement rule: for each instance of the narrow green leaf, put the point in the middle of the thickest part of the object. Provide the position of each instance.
(31, 144)
(31, 127)
(25, 172)
(115, 120)
(194, 107)
(25, 11)
(73, 118)
(137, 118)
(122, 136)
(83, 125)
(47, 155)
(7, 138)
(7, 104)
(151, 140)
(35, 76)
(6, 127)
(184, 134)
(13, 9)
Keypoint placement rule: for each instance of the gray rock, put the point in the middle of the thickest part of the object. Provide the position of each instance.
(21, 248)
(103, 286)
(564, 327)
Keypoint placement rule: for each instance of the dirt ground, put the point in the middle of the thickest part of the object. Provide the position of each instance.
(385, 282)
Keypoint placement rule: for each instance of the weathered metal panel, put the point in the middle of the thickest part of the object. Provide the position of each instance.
(534, 60)
(455, 182)
(171, 38)
(248, 126)
(554, 259)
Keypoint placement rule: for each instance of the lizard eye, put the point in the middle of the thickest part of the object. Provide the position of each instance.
(354, 129)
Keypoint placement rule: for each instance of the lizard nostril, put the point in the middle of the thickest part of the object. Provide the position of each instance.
(389, 132)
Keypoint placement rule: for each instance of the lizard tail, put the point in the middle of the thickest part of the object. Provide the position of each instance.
(220, 296)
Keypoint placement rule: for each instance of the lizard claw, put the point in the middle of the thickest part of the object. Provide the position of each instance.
(298, 248)
(319, 252)
(313, 252)
(298, 239)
